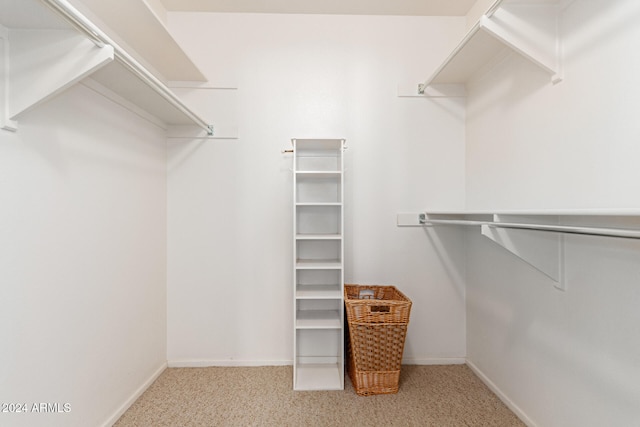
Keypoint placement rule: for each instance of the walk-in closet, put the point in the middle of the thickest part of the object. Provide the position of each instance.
(186, 186)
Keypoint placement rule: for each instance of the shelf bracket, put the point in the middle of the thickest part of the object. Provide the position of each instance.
(222, 131)
(535, 38)
(438, 90)
(543, 251)
(39, 64)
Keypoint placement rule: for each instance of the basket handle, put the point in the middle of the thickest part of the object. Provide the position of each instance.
(366, 294)
(380, 308)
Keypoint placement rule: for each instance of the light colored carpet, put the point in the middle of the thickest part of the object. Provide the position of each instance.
(433, 396)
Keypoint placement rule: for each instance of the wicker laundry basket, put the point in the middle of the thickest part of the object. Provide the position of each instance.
(377, 331)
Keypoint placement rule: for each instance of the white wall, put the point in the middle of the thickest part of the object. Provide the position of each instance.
(563, 358)
(82, 259)
(570, 145)
(230, 201)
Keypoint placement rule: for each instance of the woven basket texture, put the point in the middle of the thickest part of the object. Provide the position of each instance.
(388, 305)
(377, 331)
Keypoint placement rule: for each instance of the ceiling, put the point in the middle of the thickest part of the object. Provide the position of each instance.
(330, 7)
(32, 14)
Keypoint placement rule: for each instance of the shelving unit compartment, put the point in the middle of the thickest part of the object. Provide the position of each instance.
(326, 161)
(318, 319)
(324, 220)
(320, 376)
(318, 314)
(319, 250)
(318, 345)
(319, 278)
(318, 155)
(318, 284)
(317, 188)
(318, 360)
(318, 291)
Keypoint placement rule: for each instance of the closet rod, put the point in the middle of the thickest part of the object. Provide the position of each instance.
(591, 231)
(492, 9)
(79, 21)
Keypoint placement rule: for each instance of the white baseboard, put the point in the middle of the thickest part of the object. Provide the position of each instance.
(435, 361)
(204, 363)
(494, 388)
(127, 404)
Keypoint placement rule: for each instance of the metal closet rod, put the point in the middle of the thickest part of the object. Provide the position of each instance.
(79, 21)
(492, 9)
(590, 231)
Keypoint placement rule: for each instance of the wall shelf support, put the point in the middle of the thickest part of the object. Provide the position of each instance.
(543, 251)
(39, 64)
(46, 62)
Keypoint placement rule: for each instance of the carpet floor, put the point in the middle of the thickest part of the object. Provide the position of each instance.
(429, 396)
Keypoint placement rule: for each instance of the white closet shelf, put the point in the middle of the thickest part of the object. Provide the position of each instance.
(117, 83)
(318, 319)
(318, 237)
(126, 18)
(51, 55)
(318, 292)
(318, 204)
(325, 147)
(528, 27)
(318, 174)
(314, 264)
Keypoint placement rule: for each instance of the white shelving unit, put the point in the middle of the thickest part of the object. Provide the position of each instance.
(42, 54)
(527, 27)
(318, 272)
